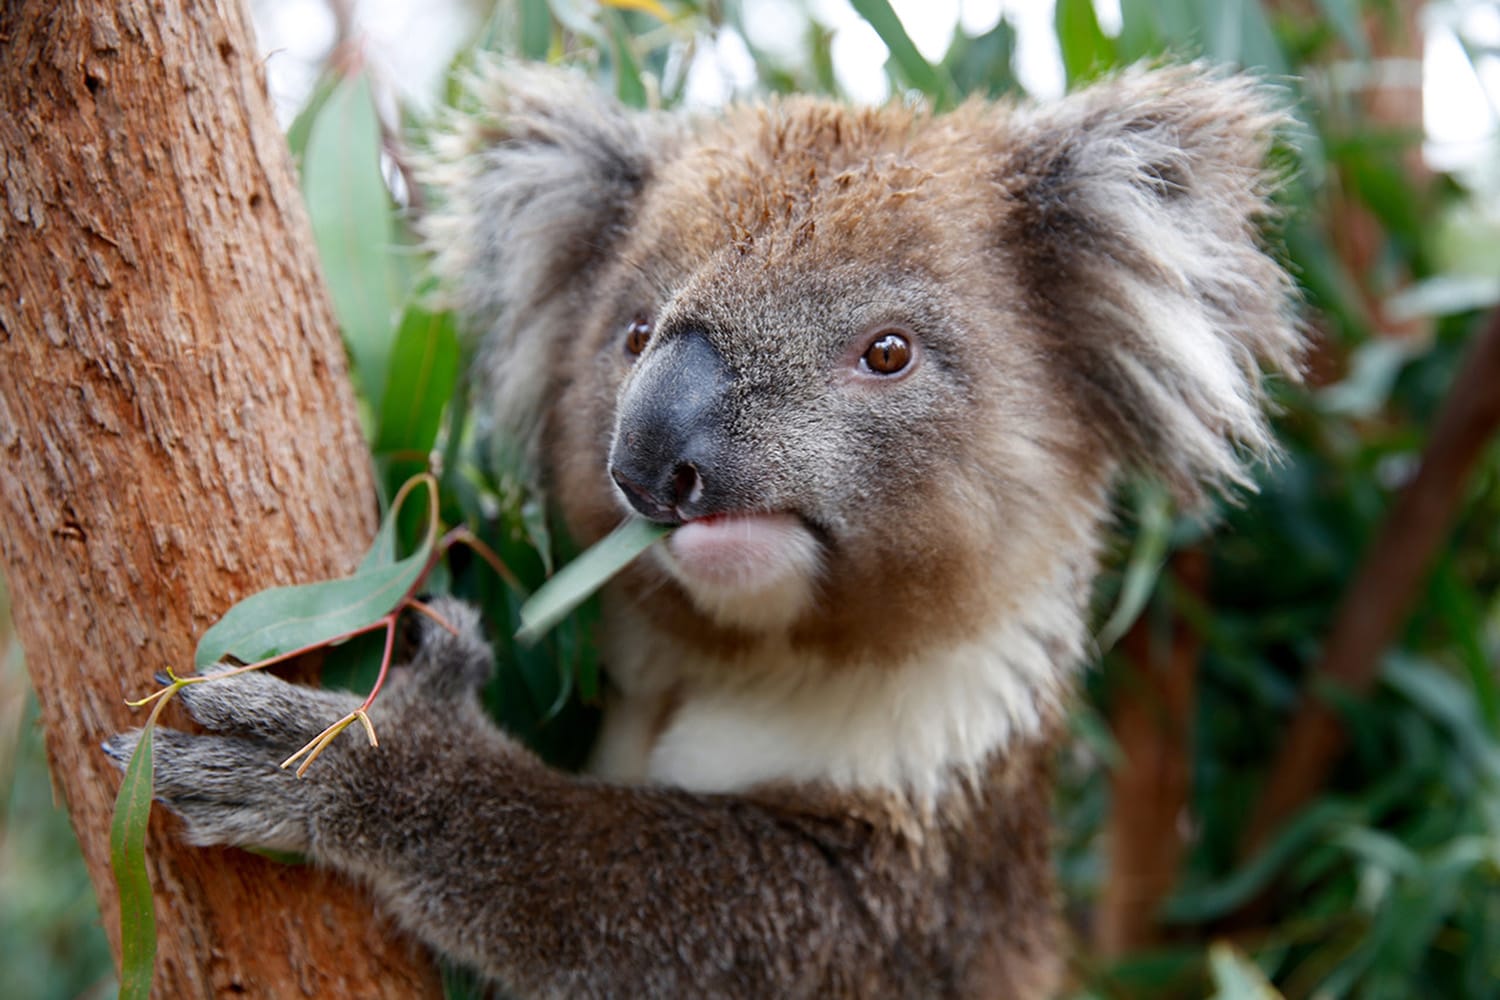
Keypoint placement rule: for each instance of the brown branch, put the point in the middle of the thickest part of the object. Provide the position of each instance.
(1151, 712)
(1377, 605)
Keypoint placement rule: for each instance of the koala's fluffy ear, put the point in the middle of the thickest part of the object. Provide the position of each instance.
(1135, 206)
(536, 178)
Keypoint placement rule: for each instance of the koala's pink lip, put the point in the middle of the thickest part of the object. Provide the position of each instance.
(743, 550)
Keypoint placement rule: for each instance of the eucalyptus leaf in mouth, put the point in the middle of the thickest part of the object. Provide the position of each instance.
(579, 579)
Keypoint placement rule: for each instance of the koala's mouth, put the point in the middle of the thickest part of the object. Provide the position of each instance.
(746, 569)
(742, 551)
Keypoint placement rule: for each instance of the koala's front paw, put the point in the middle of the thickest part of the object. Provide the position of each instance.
(231, 788)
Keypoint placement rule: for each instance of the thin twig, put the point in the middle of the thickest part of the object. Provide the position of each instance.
(426, 609)
(461, 535)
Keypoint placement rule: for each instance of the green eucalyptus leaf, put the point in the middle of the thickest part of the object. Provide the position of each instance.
(1139, 33)
(301, 127)
(985, 63)
(353, 222)
(1346, 17)
(575, 582)
(538, 534)
(914, 69)
(1444, 295)
(1463, 612)
(1086, 50)
(536, 29)
(382, 551)
(579, 17)
(423, 372)
(628, 85)
(284, 619)
(1373, 368)
(1205, 903)
(127, 858)
(1258, 47)
(1154, 515)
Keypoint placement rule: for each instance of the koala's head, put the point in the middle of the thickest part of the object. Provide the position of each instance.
(879, 366)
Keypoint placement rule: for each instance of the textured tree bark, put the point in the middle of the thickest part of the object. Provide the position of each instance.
(177, 431)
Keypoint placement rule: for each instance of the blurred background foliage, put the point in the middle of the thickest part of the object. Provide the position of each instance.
(1383, 883)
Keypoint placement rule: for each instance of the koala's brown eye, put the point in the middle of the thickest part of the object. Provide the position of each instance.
(890, 353)
(636, 335)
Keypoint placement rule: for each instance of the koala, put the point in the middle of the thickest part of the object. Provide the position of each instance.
(879, 368)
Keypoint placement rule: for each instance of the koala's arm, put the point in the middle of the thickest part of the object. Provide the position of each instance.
(551, 884)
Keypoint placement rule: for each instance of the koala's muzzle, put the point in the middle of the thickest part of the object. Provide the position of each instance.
(671, 455)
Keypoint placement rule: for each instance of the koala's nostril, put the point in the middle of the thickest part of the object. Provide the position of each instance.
(687, 485)
(639, 498)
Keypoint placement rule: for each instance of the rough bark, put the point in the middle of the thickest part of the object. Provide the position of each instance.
(177, 431)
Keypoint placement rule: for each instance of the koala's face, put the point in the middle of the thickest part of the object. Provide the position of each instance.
(801, 355)
(877, 367)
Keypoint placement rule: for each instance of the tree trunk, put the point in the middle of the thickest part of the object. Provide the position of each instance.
(177, 430)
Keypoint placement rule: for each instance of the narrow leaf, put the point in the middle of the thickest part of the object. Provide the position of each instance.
(1086, 50)
(1460, 608)
(1345, 16)
(283, 619)
(382, 551)
(423, 372)
(1236, 977)
(127, 858)
(354, 224)
(575, 582)
(1153, 511)
(1203, 903)
(628, 86)
(536, 29)
(984, 63)
(301, 127)
(914, 69)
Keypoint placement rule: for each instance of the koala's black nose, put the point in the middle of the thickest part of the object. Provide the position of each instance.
(669, 454)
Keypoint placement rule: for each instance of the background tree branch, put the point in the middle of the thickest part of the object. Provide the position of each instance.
(1377, 604)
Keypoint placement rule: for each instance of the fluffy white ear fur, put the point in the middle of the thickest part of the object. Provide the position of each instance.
(538, 175)
(1145, 191)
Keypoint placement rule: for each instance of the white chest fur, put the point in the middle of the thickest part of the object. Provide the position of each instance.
(910, 726)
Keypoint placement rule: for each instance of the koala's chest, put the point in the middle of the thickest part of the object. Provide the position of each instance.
(631, 728)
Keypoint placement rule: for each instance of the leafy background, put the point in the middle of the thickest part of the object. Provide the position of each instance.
(1387, 882)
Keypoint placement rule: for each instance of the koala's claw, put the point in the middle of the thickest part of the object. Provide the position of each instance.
(260, 705)
(121, 747)
(226, 789)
